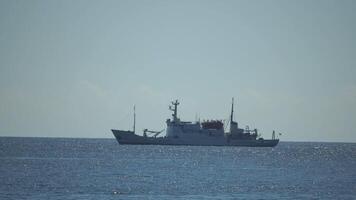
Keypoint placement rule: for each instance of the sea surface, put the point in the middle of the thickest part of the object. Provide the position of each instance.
(54, 168)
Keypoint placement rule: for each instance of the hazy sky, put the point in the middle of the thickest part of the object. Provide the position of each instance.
(75, 68)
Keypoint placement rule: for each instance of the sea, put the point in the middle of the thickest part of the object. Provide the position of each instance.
(82, 169)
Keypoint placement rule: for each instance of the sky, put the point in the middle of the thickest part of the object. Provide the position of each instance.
(77, 68)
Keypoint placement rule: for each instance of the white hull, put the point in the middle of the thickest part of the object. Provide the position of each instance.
(128, 137)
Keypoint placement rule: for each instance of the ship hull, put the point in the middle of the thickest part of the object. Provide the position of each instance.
(128, 137)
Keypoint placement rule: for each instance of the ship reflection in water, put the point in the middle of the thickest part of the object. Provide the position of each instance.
(207, 133)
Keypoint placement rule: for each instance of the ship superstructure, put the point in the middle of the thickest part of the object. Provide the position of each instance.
(206, 133)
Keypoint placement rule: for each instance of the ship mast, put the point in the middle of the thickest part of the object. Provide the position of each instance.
(232, 110)
(134, 124)
(233, 125)
(175, 104)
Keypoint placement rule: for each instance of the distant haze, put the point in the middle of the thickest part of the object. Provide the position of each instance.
(76, 68)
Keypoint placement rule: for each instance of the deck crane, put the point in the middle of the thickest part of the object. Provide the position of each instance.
(156, 133)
